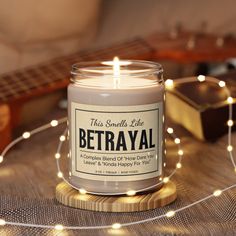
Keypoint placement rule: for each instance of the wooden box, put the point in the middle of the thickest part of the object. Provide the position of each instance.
(201, 107)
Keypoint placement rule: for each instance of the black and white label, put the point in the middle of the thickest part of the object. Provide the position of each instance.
(116, 143)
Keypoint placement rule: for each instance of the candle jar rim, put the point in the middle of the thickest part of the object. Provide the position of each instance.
(98, 74)
(149, 70)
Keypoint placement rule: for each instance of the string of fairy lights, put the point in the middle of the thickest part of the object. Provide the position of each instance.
(169, 84)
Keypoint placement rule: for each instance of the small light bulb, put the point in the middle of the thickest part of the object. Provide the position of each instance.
(178, 165)
(116, 226)
(62, 138)
(230, 100)
(217, 193)
(26, 135)
(160, 178)
(201, 78)
(1, 158)
(2, 222)
(164, 164)
(131, 193)
(166, 180)
(170, 213)
(165, 151)
(170, 131)
(57, 155)
(59, 227)
(221, 84)
(169, 83)
(82, 191)
(230, 123)
(177, 140)
(230, 148)
(181, 152)
(69, 173)
(54, 123)
(60, 174)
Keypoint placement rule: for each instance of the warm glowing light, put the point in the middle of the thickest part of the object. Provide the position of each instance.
(116, 66)
(169, 84)
(59, 227)
(164, 164)
(221, 84)
(201, 78)
(116, 72)
(82, 191)
(166, 180)
(26, 135)
(59, 174)
(116, 226)
(230, 100)
(62, 138)
(170, 214)
(111, 63)
(178, 165)
(230, 148)
(57, 155)
(2, 222)
(177, 140)
(170, 131)
(54, 123)
(217, 193)
(131, 193)
(230, 123)
(181, 152)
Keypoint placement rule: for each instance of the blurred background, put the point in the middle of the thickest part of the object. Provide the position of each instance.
(36, 31)
(40, 40)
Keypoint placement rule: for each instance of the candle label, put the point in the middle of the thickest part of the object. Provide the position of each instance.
(116, 143)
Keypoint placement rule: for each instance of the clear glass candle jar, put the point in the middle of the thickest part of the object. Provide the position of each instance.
(116, 121)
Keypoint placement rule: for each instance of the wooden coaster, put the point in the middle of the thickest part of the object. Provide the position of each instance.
(140, 202)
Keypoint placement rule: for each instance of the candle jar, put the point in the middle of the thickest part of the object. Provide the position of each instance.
(116, 120)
